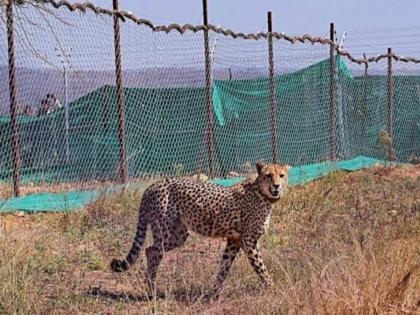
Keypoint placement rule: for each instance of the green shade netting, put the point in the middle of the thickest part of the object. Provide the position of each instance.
(165, 127)
(78, 199)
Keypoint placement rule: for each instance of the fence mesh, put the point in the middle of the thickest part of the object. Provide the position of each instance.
(68, 104)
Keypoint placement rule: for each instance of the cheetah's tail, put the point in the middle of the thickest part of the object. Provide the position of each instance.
(119, 265)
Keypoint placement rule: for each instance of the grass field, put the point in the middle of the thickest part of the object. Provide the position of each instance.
(345, 244)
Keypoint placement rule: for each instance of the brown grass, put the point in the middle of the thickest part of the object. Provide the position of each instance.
(6, 188)
(345, 244)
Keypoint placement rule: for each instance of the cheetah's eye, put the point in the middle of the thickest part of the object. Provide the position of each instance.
(281, 175)
(269, 176)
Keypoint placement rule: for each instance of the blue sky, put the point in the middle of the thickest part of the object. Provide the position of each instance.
(372, 25)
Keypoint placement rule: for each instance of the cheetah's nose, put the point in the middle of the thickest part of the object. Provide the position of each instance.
(276, 186)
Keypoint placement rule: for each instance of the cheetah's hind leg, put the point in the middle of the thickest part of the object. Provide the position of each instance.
(165, 238)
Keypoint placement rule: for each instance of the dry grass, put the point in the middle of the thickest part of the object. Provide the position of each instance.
(346, 244)
(6, 188)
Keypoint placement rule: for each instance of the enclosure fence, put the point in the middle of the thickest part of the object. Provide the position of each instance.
(90, 96)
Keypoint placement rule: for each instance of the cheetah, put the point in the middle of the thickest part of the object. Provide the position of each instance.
(241, 213)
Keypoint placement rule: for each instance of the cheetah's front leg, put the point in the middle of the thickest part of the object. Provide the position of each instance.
(256, 261)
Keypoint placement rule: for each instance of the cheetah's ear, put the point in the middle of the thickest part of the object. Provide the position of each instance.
(259, 165)
(288, 167)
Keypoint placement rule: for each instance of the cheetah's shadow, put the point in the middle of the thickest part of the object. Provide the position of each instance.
(182, 295)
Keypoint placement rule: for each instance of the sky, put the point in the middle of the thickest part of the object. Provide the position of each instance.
(371, 25)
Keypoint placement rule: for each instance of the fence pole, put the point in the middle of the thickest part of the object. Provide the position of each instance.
(332, 109)
(120, 96)
(366, 65)
(272, 90)
(209, 131)
(13, 103)
(390, 89)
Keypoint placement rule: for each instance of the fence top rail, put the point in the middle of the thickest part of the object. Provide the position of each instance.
(305, 38)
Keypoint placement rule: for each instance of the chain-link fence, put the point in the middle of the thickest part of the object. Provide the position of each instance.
(187, 100)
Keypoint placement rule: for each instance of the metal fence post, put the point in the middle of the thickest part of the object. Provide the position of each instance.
(120, 96)
(332, 109)
(366, 65)
(13, 102)
(210, 125)
(390, 89)
(274, 143)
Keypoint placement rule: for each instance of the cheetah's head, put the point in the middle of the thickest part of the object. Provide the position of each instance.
(272, 179)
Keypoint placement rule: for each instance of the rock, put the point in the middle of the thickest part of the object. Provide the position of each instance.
(203, 178)
(20, 214)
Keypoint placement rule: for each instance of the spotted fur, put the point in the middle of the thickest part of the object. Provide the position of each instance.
(240, 214)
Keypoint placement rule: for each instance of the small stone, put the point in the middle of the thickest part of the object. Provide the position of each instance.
(20, 214)
(203, 177)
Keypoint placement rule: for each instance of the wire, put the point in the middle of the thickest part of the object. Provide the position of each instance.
(384, 37)
(383, 30)
(164, 19)
(400, 44)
